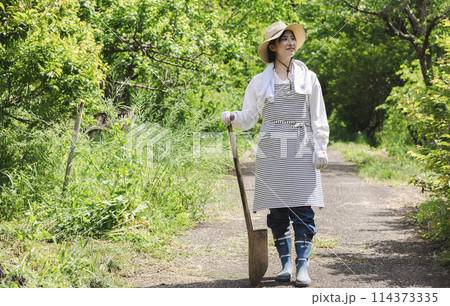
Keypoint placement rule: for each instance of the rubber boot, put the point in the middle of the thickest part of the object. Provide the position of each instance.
(303, 249)
(284, 247)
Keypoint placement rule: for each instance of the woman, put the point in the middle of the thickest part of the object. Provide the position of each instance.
(292, 145)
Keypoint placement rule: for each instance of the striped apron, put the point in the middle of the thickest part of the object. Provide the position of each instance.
(284, 174)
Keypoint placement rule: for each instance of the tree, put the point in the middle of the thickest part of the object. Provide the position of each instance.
(175, 55)
(412, 21)
(349, 55)
(48, 61)
(158, 46)
(427, 111)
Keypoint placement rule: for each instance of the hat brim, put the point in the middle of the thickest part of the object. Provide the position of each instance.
(299, 34)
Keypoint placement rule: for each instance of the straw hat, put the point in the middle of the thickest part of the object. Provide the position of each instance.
(274, 31)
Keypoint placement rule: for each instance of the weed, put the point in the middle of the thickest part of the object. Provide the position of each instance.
(443, 258)
(320, 241)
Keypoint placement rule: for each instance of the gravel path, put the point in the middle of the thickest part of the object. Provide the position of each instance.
(363, 240)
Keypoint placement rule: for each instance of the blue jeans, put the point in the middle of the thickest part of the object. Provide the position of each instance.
(302, 217)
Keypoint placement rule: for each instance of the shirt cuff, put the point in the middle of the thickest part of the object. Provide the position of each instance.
(235, 114)
(320, 145)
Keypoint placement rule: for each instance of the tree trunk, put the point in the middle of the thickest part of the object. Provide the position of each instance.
(424, 68)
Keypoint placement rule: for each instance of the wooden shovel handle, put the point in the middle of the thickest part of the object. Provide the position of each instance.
(248, 220)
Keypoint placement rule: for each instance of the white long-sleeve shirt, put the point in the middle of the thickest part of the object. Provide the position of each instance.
(261, 87)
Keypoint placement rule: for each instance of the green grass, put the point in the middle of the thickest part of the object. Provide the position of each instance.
(377, 164)
(321, 241)
(129, 193)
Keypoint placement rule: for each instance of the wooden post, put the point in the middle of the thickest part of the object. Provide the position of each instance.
(74, 142)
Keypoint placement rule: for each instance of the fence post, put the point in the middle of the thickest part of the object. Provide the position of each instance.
(74, 141)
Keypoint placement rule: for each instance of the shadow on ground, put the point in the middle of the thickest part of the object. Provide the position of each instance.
(409, 269)
(397, 263)
(267, 282)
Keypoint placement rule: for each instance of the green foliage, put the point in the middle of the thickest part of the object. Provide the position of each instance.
(48, 61)
(412, 22)
(183, 60)
(427, 112)
(119, 180)
(139, 187)
(377, 30)
(433, 219)
(28, 160)
(164, 51)
(348, 51)
(179, 64)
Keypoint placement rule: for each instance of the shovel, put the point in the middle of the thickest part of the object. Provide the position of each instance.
(258, 255)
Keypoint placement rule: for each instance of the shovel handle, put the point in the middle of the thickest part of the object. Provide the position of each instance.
(248, 220)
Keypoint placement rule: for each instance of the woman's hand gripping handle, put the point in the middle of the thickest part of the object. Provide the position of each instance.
(228, 118)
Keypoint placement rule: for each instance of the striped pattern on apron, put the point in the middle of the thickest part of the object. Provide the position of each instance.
(284, 174)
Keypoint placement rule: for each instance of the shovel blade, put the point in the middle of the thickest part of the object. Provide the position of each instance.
(258, 255)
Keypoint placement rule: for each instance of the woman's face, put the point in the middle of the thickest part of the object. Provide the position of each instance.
(284, 46)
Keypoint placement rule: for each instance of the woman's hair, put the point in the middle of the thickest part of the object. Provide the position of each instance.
(272, 55)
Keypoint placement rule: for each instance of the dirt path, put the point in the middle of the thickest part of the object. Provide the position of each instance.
(363, 241)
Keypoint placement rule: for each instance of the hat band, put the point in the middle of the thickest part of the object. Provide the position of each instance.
(276, 33)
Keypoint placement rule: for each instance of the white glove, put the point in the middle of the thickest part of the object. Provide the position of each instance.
(226, 118)
(320, 159)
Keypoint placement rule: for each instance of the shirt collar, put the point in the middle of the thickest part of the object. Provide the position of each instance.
(302, 81)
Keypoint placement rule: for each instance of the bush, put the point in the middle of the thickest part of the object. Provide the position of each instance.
(427, 112)
(433, 218)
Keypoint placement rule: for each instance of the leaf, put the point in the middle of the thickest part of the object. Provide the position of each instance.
(45, 235)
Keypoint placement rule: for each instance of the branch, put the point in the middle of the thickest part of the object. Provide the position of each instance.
(413, 19)
(399, 33)
(9, 104)
(119, 50)
(362, 10)
(16, 118)
(153, 50)
(242, 19)
(142, 86)
(234, 12)
(148, 50)
(431, 25)
(172, 64)
(136, 46)
(385, 18)
(174, 25)
(422, 7)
